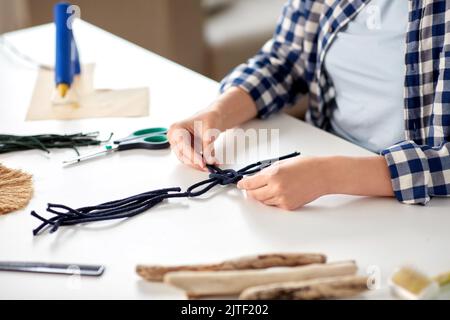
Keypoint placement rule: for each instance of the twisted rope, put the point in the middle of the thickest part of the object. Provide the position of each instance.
(134, 205)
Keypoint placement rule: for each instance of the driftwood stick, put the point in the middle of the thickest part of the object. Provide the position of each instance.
(221, 283)
(326, 288)
(156, 273)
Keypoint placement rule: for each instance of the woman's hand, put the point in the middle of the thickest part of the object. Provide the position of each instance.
(192, 139)
(289, 184)
(293, 183)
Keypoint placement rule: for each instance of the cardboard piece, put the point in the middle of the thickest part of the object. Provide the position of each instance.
(91, 103)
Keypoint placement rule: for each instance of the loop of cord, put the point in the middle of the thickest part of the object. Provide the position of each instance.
(226, 177)
(134, 205)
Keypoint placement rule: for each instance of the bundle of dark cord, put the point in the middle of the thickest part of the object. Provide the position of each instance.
(44, 142)
(132, 206)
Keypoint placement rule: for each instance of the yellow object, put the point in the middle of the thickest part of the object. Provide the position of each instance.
(443, 279)
(62, 89)
(411, 280)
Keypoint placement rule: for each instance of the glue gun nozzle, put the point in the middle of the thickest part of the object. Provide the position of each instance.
(62, 89)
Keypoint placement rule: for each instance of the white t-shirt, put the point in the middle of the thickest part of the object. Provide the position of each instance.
(366, 63)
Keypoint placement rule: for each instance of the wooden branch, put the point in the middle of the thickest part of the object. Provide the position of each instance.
(221, 283)
(156, 273)
(326, 288)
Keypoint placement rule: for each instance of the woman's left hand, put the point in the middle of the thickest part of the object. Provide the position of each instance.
(289, 184)
(293, 183)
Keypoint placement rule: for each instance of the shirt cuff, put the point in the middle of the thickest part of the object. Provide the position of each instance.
(410, 172)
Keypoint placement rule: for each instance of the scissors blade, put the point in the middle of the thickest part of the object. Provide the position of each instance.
(53, 268)
(108, 149)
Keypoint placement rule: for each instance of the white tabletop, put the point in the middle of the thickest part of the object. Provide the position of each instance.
(374, 232)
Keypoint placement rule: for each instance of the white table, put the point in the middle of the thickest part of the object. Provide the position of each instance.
(374, 232)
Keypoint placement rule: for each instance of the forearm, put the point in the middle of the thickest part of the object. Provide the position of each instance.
(364, 176)
(234, 107)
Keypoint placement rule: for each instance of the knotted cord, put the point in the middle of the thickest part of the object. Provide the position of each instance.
(134, 205)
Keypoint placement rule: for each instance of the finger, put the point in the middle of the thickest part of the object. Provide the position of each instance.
(194, 157)
(209, 154)
(208, 147)
(186, 159)
(182, 139)
(252, 183)
(271, 202)
(261, 194)
(178, 134)
(196, 167)
(181, 157)
(179, 139)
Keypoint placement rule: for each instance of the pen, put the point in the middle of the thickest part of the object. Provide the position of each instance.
(67, 63)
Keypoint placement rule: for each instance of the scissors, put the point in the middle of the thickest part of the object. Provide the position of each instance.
(150, 139)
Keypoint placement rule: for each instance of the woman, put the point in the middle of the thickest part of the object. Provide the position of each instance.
(377, 73)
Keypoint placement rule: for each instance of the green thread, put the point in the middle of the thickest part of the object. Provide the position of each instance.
(45, 142)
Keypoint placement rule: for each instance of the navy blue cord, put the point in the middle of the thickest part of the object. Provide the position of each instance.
(134, 205)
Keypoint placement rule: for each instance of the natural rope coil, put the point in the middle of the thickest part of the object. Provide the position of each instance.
(16, 189)
(132, 206)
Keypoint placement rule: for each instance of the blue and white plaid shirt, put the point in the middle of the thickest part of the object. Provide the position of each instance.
(291, 64)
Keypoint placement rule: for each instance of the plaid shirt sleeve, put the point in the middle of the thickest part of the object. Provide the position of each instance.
(274, 77)
(420, 166)
(419, 171)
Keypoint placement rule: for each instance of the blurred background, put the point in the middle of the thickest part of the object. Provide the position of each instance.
(208, 36)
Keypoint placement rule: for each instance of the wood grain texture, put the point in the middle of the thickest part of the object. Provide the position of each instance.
(222, 283)
(157, 273)
(326, 288)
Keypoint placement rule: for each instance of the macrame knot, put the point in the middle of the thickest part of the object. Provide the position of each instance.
(134, 205)
(226, 177)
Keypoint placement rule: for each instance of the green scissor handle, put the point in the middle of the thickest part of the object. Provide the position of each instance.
(149, 132)
(149, 142)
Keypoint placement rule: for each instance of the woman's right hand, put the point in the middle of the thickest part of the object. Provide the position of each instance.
(192, 139)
